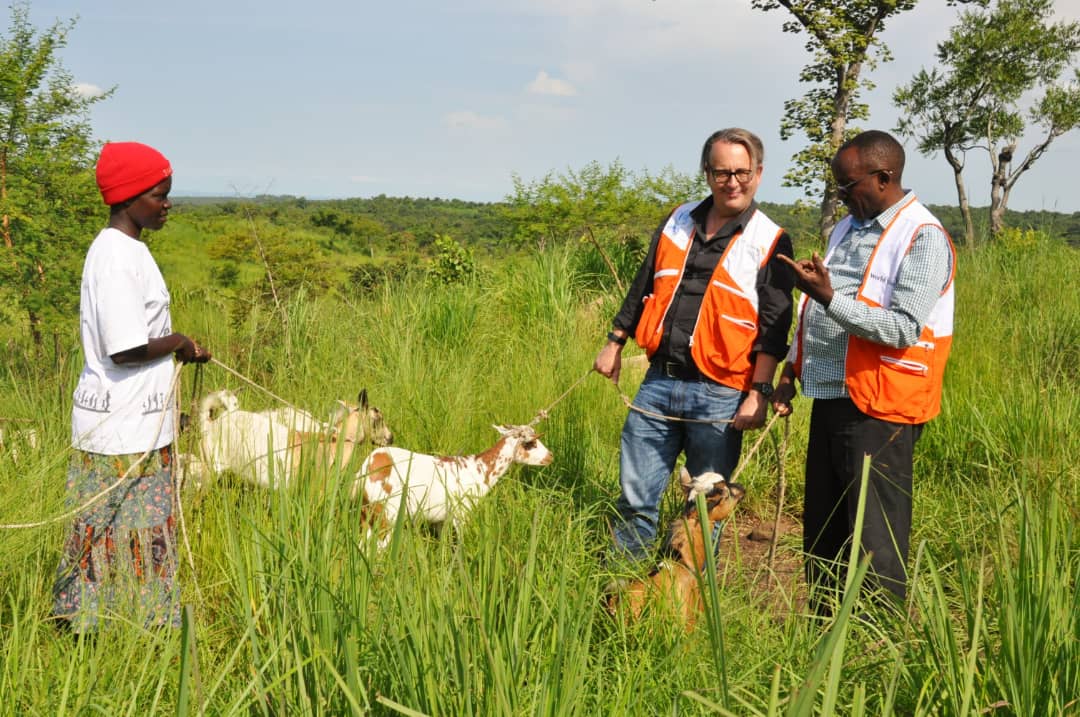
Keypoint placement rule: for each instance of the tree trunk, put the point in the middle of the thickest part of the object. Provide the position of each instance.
(35, 329)
(830, 209)
(999, 189)
(961, 196)
(997, 220)
(830, 200)
(5, 227)
(965, 210)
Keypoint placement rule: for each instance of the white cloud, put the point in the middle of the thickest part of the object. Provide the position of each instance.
(87, 90)
(467, 119)
(362, 179)
(545, 84)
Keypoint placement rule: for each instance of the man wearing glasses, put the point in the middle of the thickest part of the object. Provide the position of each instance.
(711, 306)
(871, 342)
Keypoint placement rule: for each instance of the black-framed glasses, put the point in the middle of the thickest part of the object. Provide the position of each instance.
(723, 176)
(847, 187)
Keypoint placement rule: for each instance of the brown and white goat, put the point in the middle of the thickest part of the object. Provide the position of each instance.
(438, 488)
(674, 584)
(261, 448)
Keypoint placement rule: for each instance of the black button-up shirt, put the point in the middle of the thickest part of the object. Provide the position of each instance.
(774, 284)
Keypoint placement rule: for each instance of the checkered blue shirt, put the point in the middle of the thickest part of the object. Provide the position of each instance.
(923, 274)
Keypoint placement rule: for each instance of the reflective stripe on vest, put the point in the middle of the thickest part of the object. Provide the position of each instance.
(727, 323)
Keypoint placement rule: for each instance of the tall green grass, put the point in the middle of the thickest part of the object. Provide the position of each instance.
(292, 611)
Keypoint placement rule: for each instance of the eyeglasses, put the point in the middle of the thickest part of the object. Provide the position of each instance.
(723, 176)
(845, 188)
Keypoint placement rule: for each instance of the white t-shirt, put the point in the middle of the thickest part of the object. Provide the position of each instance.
(123, 303)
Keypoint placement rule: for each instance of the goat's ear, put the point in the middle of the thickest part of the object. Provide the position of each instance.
(363, 398)
(685, 480)
(503, 430)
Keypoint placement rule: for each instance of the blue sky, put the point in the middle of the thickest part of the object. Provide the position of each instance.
(331, 98)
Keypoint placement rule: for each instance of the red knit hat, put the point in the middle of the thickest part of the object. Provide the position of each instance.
(127, 169)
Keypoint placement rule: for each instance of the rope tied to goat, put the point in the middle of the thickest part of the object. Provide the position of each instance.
(543, 414)
(248, 381)
(781, 447)
(172, 399)
(119, 481)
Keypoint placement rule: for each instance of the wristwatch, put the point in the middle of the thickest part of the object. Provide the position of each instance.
(764, 388)
(615, 338)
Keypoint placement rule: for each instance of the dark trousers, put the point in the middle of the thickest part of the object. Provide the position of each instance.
(840, 436)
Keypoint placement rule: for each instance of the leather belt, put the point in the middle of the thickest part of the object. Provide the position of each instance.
(678, 370)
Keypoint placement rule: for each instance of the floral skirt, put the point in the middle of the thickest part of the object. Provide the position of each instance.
(119, 558)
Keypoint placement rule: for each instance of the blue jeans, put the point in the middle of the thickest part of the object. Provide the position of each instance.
(650, 446)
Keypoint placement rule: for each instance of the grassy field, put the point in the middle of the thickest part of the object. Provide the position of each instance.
(289, 611)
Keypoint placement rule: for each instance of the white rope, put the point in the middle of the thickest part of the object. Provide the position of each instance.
(114, 486)
(542, 414)
(781, 487)
(248, 381)
(652, 414)
(753, 449)
(178, 504)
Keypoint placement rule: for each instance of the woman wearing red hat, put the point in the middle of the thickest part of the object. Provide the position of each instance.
(120, 556)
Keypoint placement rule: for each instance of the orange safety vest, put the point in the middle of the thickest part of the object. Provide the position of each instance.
(727, 324)
(902, 385)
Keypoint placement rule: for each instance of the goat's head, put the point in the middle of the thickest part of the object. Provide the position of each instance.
(217, 402)
(529, 450)
(721, 497)
(360, 422)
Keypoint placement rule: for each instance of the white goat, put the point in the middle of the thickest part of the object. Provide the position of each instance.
(372, 425)
(295, 418)
(242, 441)
(437, 488)
(268, 451)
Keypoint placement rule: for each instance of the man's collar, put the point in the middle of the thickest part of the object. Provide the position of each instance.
(885, 216)
(700, 214)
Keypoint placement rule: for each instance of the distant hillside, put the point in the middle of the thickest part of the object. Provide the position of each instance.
(366, 223)
(487, 224)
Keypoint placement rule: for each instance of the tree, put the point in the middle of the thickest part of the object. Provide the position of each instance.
(452, 263)
(562, 206)
(843, 40)
(611, 209)
(49, 207)
(992, 59)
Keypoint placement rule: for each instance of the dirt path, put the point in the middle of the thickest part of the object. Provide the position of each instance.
(782, 589)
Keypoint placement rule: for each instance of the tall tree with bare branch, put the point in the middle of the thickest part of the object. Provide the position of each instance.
(843, 39)
(993, 60)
